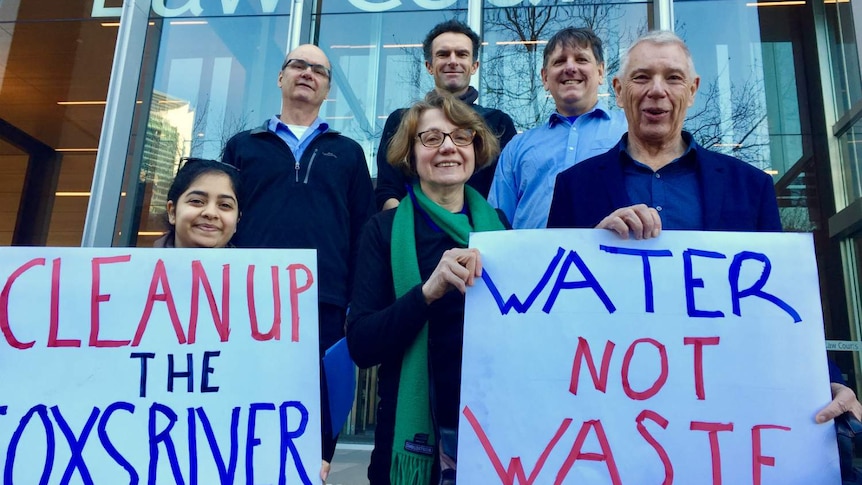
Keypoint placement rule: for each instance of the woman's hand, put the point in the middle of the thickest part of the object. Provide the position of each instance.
(457, 269)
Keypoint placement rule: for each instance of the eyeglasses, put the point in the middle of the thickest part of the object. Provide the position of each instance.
(435, 138)
(301, 65)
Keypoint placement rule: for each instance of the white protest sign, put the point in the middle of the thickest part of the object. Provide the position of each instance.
(693, 358)
(158, 366)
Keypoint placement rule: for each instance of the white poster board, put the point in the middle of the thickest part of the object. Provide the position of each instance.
(693, 358)
(158, 366)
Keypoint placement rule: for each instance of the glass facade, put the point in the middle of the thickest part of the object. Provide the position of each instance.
(772, 93)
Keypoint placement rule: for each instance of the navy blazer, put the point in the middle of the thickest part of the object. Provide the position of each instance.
(735, 195)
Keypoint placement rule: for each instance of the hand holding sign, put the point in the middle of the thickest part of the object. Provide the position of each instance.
(691, 358)
(457, 269)
(640, 221)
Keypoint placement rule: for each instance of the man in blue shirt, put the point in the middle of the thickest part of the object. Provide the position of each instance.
(658, 177)
(304, 185)
(581, 127)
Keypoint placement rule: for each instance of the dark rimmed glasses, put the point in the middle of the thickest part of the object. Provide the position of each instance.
(301, 65)
(435, 138)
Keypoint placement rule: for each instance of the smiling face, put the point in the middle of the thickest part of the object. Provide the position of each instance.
(446, 167)
(452, 62)
(304, 85)
(205, 215)
(572, 76)
(656, 90)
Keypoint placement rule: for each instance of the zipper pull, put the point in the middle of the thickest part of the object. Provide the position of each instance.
(297, 170)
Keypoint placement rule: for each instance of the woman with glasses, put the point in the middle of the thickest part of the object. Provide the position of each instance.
(203, 205)
(407, 312)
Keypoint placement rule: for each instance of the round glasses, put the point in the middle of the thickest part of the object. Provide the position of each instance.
(434, 138)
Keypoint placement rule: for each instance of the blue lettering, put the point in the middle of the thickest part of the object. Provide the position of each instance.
(76, 444)
(287, 438)
(589, 281)
(205, 387)
(109, 447)
(193, 447)
(163, 436)
(691, 283)
(756, 289)
(251, 440)
(143, 356)
(226, 473)
(42, 411)
(645, 254)
(513, 301)
(172, 374)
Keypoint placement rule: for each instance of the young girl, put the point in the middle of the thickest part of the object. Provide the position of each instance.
(203, 205)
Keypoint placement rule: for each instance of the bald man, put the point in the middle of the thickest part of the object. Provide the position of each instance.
(304, 185)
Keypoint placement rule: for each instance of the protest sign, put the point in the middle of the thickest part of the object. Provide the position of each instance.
(150, 366)
(695, 357)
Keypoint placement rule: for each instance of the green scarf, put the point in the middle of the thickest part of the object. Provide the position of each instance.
(414, 428)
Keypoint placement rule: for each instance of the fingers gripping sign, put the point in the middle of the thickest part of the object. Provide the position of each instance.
(457, 269)
(641, 221)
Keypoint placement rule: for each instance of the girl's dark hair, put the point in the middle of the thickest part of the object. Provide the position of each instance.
(189, 171)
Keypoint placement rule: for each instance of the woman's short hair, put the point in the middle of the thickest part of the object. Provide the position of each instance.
(400, 151)
(190, 170)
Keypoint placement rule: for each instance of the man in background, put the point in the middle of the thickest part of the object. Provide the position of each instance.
(306, 186)
(579, 128)
(451, 52)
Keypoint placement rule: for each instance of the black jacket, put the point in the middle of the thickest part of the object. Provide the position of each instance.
(380, 328)
(320, 203)
(391, 181)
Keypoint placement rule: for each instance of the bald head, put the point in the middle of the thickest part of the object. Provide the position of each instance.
(304, 80)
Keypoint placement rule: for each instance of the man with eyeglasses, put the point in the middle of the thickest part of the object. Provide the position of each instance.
(451, 51)
(306, 186)
(582, 126)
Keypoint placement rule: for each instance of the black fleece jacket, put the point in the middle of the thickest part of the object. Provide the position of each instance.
(320, 202)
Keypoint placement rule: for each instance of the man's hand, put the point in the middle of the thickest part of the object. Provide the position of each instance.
(391, 203)
(457, 269)
(641, 221)
(843, 400)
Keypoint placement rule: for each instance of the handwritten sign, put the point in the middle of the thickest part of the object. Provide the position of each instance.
(690, 358)
(153, 366)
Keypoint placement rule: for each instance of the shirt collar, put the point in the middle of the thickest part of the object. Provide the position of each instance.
(688, 156)
(318, 124)
(599, 110)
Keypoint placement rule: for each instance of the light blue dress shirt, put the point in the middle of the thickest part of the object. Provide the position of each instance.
(297, 145)
(524, 180)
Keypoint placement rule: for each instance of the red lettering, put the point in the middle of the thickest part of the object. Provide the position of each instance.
(660, 380)
(662, 454)
(600, 380)
(222, 322)
(4, 304)
(757, 459)
(54, 318)
(294, 297)
(515, 469)
(160, 278)
(698, 343)
(96, 298)
(714, 450)
(275, 330)
(605, 456)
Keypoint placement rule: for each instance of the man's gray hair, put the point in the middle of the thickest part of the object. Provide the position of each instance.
(660, 37)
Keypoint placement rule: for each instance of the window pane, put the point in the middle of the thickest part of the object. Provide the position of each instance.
(515, 39)
(213, 77)
(377, 66)
(843, 54)
(851, 154)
